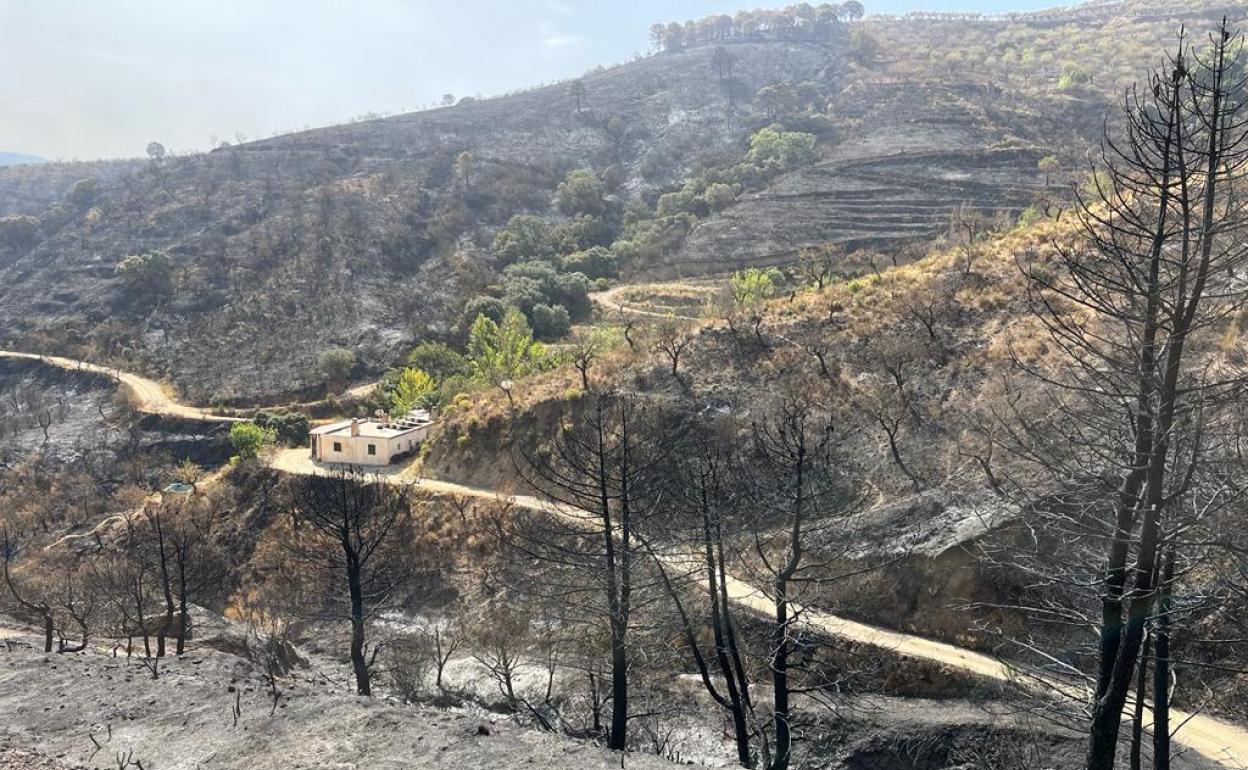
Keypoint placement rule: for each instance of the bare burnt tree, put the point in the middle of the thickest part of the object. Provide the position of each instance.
(37, 607)
(600, 477)
(801, 494)
(1128, 441)
(349, 524)
(671, 337)
(180, 535)
(705, 495)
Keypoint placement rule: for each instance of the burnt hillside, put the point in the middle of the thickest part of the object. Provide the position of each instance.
(370, 235)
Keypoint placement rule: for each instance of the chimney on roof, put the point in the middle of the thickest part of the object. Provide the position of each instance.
(355, 426)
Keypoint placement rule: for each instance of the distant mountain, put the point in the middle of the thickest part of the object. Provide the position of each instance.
(16, 158)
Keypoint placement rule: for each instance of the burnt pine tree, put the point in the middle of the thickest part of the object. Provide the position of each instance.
(1135, 311)
(601, 477)
(802, 498)
(349, 523)
(704, 499)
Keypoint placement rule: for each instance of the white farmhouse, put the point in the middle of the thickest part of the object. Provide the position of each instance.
(370, 442)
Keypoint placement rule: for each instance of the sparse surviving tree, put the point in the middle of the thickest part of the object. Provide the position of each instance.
(817, 264)
(600, 474)
(751, 289)
(586, 348)
(350, 524)
(1139, 396)
(336, 365)
(672, 336)
(1048, 166)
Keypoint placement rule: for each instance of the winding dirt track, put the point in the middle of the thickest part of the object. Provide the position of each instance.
(146, 395)
(1222, 742)
(610, 302)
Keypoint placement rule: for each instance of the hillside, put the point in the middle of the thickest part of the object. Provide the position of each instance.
(185, 719)
(922, 368)
(16, 158)
(371, 235)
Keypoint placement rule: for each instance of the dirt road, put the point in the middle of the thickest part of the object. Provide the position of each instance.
(610, 301)
(147, 395)
(1220, 741)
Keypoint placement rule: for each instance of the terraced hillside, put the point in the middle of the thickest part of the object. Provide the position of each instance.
(363, 235)
(372, 235)
(918, 152)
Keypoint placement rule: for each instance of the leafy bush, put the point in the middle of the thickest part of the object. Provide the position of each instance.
(440, 360)
(524, 237)
(336, 365)
(596, 262)
(18, 232)
(776, 151)
(526, 284)
(719, 196)
(581, 192)
(248, 439)
(490, 307)
(147, 276)
(289, 428)
(550, 322)
(1073, 77)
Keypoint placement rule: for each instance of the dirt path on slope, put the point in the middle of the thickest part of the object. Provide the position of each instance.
(610, 301)
(146, 395)
(1222, 742)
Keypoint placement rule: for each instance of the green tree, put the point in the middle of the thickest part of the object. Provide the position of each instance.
(550, 322)
(503, 351)
(1048, 165)
(438, 359)
(19, 233)
(776, 151)
(147, 276)
(1073, 77)
(412, 389)
(336, 365)
(490, 307)
(776, 100)
(753, 286)
(525, 236)
(852, 10)
(581, 192)
(719, 196)
(594, 262)
(864, 47)
(83, 193)
(248, 439)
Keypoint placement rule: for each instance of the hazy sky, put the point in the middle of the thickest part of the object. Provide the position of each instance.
(102, 78)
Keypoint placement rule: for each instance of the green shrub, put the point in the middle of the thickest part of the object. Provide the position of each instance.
(248, 439)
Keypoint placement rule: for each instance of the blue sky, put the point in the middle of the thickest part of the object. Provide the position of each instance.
(86, 79)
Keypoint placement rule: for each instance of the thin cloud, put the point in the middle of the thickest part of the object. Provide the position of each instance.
(552, 38)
